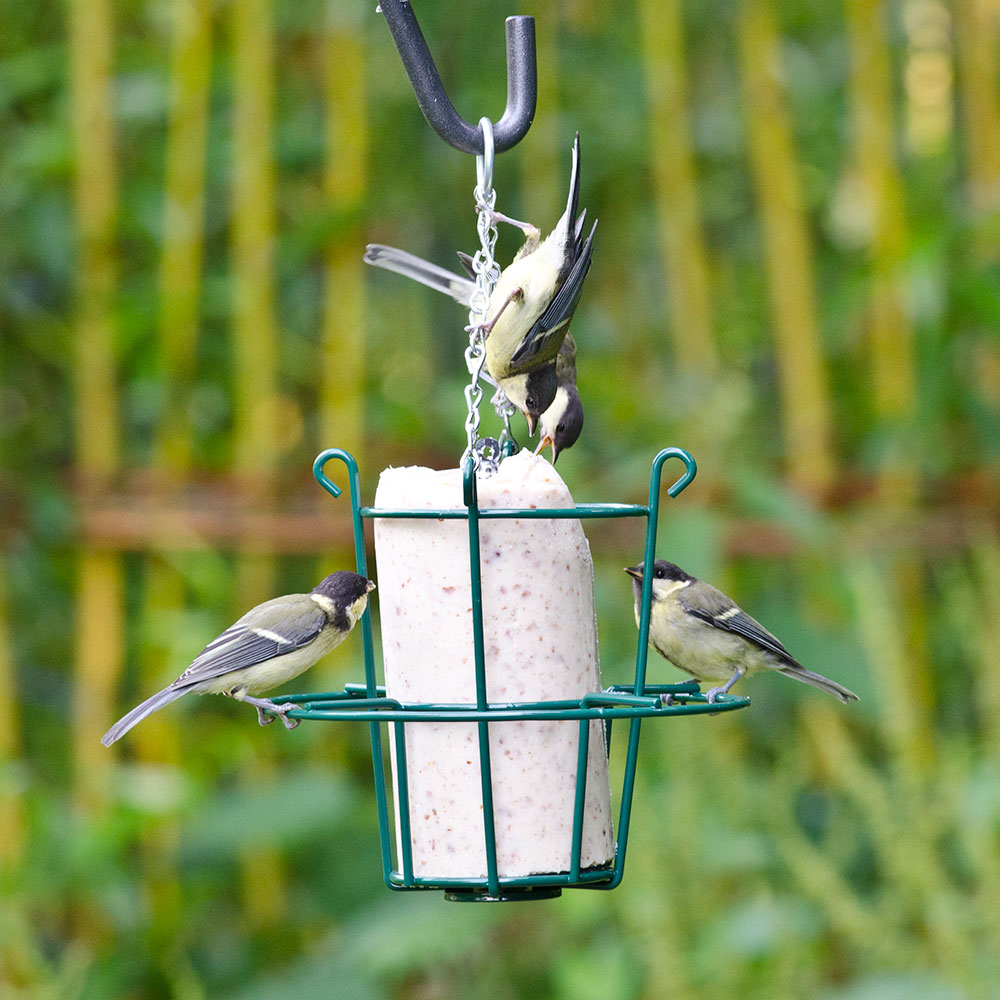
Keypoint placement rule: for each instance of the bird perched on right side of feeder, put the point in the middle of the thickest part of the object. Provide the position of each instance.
(707, 635)
(270, 644)
(532, 303)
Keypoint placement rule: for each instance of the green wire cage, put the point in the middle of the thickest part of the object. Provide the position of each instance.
(632, 701)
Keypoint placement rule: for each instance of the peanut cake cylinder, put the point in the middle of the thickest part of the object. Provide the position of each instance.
(540, 644)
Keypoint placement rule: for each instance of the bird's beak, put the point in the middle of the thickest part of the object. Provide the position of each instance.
(532, 423)
(544, 443)
(371, 586)
(634, 571)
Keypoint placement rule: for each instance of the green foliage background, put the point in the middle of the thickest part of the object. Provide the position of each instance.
(795, 276)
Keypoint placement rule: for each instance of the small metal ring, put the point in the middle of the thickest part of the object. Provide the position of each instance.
(484, 163)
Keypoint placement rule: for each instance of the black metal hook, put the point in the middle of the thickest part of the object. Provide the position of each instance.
(522, 81)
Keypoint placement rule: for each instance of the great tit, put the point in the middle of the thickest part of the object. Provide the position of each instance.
(269, 645)
(560, 425)
(531, 305)
(701, 631)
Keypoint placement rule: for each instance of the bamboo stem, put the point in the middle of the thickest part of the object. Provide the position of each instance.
(889, 326)
(256, 354)
(95, 203)
(682, 241)
(788, 252)
(253, 235)
(341, 391)
(12, 818)
(977, 29)
(99, 634)
(183, 228)
(98, 654)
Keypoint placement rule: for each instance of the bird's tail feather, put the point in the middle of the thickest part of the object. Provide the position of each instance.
(150, 705)
(573, 199)
(411, 266)
(821, 682)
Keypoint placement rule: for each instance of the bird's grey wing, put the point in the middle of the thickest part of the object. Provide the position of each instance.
(560, 309)
(276, 629)
(566, 361)
(721, 613)
(411, 266)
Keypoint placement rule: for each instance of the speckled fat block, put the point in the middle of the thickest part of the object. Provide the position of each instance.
(540, 643)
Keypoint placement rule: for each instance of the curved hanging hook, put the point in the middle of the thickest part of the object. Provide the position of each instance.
(333, 489)
(690, 471)
(522, 81)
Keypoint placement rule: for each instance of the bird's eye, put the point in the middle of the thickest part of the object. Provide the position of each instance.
(660, 573)
(560, 428)
(529, 402)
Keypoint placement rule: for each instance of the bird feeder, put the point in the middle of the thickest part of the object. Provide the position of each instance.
(497, 724)
(630, 701)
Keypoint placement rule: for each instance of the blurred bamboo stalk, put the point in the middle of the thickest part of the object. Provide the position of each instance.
(183, 230)
(899, 684)
(681, 233)
(788, 251)
(179, 316)
(542, 174)
(341, 389)
(986, 563)
(256, 355)
(98, 655)
(157, 740)
(889, 326)
(95, 204)
(12, 818)
(977, 26)
(100, 644)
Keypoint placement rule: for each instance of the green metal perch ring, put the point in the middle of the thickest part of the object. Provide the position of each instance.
(634, 702)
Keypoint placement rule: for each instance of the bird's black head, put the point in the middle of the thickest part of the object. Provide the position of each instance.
(662, 570)
(540, 391)
(570, 424)
(344, 588)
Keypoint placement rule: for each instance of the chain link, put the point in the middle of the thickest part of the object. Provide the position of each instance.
(485, 452)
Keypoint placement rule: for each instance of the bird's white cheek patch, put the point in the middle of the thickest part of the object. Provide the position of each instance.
(672, 588)
(324, 602)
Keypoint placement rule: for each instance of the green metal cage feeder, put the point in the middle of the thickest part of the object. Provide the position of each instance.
(632, 701)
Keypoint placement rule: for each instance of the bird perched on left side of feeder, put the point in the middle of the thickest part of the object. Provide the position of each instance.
(707, 635)
(531, 305)
(270, 644)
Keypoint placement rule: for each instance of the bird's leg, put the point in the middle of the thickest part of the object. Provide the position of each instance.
(532, 234)
(487, 328)
(281, 711)
(713, 694)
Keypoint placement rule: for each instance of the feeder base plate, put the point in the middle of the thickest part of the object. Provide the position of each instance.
(509, 895)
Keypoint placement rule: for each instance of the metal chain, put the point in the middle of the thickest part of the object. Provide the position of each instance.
(485, 452)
